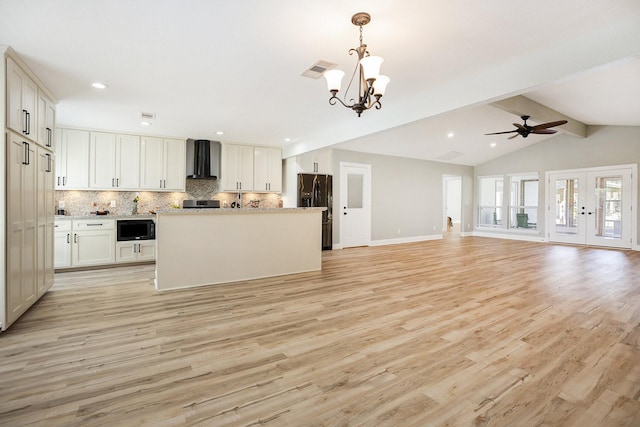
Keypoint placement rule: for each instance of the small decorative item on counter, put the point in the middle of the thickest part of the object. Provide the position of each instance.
(101, 212)
(254, 203)
(280, 203)
(134, 209)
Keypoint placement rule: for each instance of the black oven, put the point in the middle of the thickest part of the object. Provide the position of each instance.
(136, 229)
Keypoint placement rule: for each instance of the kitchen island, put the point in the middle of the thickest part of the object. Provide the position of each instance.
(197, 247)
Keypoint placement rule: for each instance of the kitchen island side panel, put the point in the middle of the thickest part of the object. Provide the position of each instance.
(206, 248)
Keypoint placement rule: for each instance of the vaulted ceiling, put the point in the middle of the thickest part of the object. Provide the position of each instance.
(235, 66)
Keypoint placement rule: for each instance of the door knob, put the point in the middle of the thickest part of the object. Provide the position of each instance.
(345, 213)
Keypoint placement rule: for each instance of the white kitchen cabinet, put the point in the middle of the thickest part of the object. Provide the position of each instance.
(318, 161)
(237, 167)
(72, 159)
(45, 222)
(93, 242)
(46, 121)
(62, 243)
(163, 164)
(136, 251)
(22, 101)
(21, 226)
(114, 161)
(267, 169)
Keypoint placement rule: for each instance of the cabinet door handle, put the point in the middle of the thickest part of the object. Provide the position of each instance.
(49, 142)
(58, 181)
(68, 238)
(26, 160)
(48, 162)
(134, 248)
(24, 121)
(28, 123)
(117, 182)
(75, 238)
(64, 181)
(94, 225)
(113, 182)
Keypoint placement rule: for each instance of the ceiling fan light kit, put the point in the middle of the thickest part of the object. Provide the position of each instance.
(525, 129)
(371, 84)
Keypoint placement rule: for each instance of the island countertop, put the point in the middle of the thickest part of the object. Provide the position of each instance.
(235, 210)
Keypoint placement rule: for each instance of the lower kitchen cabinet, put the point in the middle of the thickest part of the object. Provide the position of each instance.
(84, 242)
(62, 244)
(92, 242)
(21, 226)
(136, 251)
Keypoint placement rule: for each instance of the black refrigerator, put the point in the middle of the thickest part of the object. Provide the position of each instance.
(316, 190)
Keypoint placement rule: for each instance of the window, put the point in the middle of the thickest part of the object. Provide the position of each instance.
(523, 201)
(490, 213)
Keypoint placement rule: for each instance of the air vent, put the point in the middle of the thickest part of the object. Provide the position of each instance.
(148, 116)
(450, 155)
(316, 70)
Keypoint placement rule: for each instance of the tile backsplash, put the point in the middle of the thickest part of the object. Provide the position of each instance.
(82, 202)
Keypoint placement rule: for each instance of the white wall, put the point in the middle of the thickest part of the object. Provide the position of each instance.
(407, 195)
(604, 146)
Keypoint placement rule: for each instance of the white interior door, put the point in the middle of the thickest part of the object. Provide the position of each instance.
(355, 204)
(452, 203)
(591, 207)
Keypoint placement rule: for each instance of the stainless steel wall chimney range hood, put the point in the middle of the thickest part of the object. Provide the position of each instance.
(203, 159)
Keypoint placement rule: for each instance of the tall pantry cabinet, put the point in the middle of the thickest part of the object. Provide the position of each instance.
(27, 115)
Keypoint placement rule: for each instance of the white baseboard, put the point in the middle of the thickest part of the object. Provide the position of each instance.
(405, 240)
(510, 236)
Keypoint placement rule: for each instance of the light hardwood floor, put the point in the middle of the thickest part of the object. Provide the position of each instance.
(457, 332)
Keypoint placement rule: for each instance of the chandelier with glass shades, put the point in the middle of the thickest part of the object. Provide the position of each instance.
(371, 85)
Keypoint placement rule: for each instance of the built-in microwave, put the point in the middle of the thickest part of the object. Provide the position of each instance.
(136, 229)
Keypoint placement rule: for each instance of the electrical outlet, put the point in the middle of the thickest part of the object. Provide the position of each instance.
(113, 203)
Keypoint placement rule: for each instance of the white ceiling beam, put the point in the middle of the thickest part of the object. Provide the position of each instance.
(521, 106)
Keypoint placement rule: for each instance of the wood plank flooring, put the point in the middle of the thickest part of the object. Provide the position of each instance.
(457, 332)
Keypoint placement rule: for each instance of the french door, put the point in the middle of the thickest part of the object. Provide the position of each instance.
(591, 207)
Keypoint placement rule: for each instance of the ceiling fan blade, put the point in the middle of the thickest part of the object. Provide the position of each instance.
(511, 137)
(544, 131)
(519, 126)
(498, 133)
(549, 125)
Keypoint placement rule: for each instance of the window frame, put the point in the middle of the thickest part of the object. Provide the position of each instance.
(521, 207)
(497, 218)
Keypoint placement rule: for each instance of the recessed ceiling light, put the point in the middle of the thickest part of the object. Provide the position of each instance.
(493, 144)
(287, 140)
(450, 135)
(145, 123)
(219, 132)
(99, 85)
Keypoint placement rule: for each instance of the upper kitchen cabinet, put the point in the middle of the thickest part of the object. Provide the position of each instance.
(237, 167)
(318, 161)
(163, 164)
(72, 159)
(114, 161)
(22, 101)
(46, 121)
(267, 169)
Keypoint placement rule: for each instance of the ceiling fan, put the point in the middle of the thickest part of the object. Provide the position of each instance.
(524, 129)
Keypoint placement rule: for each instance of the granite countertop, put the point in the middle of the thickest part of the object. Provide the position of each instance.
(234, 210)
(94, 216)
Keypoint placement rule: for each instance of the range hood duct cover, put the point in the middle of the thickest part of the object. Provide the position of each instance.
(203, 159)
